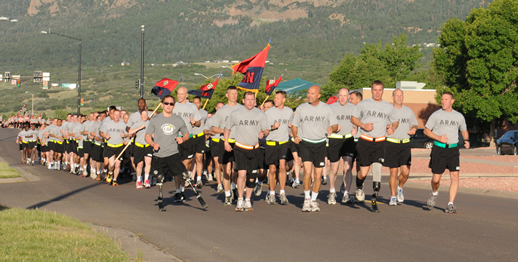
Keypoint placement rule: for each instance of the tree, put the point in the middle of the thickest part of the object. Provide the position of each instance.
(478, 59)
(392, 63)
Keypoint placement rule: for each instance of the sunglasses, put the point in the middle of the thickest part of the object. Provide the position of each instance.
(168, 104)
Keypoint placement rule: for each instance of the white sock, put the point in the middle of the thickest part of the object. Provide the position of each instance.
(198, 178)
(346, 193)
(271, 193)
(227, 193)
(314, 196)
(282, 192)
(178, 190)
(247, 200)
(296, 179)
(146, 176)
(182, 188)
(450, 203)
(435, 193)
(307, 194)
(332, 190)
(233, 185)
(139, 178)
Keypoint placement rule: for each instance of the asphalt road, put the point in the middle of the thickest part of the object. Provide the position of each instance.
(484, 229)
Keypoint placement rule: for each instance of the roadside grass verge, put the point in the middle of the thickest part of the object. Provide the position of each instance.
(34, 235)
(7, 172)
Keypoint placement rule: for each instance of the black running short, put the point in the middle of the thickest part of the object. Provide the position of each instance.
(113, 151)
(167, 165)
(87, 145)
(20, 146)
(260, 154)
(187, 149)
(397, 154)
(216, 148)
(226, 157)
(275, 153)
(58, 148)
(370, 152)
(444, 158)
(44, 149)
(313, 152)
(246, 160)
(293, 147)
(339, 148)
(140, 152)
(199, 144)
(80, 152)
(32, 145)
(96, 153)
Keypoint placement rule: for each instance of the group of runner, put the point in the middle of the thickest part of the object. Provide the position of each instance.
(241, 146)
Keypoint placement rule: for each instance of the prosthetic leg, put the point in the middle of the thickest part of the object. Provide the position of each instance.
(160, 182)
(198, 196)
(376, 186)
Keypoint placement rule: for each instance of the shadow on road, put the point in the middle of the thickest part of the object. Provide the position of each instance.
(59, 198)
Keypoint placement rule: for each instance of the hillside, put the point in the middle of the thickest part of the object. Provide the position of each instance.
(312, 34)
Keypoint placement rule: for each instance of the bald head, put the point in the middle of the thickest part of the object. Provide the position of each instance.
(182, 94)
(314, 95)
(397, 97)
(343, 96)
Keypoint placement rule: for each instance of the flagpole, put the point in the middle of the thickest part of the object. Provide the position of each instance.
(206, 101)
(265, 100)
(154, 111)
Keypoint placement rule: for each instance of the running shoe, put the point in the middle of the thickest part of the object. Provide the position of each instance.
(178, 197)
(114, 183)
(270, 199)
(400, 196)
(98, 177)
(139, 184)
(283, 199)
(431, 201)
(307, 205)
(93, 176)
(331, 198)
(257, 189)
(210, 178)
(85, 173)
(108, 178)
(393, 201)
(240, 207)
(228, 200)
(32, 163)
(451, 209)
(147, 184)
(290, 182)
(324, 181)
(314, 206)
(248, 206)
(199, 183)
(219, 189)
(295, 184)
(346, 199)
(360, 195)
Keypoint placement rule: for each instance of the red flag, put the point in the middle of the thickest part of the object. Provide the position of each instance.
(206, 91)
(332, 100)
(271, 85)
(253, 69)
(164, 87)
(210, 86)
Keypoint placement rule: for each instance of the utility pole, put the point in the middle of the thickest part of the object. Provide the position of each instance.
(142, 63)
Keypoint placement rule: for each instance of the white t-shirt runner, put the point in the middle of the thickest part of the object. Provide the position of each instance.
(379, 113)
(313, 121)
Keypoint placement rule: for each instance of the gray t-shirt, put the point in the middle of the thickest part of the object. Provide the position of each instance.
(23, 135)
(313, 121)
(135, 117)
(43, 140)
(343, 117)
(379, 113)
(449, 123)
(165, 130)
(209, 124)
(75, 130)
(114, 129)
(247, 125)
(94, 128)
(284, 117)
(186, 111)
(141, 134)
(203, 115)
(222, 116)
(85, 127)
(407, 119)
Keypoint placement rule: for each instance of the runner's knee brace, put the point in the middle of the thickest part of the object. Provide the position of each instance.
(251, 178)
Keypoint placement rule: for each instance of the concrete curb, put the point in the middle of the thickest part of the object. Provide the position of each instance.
(467, 190)
(134, 246)
(26, 177)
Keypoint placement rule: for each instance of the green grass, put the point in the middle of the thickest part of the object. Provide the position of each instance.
(7, 172)
(34, 235)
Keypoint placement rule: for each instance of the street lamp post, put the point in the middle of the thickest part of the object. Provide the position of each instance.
(142, 62)
(79, 69)
(32, 103)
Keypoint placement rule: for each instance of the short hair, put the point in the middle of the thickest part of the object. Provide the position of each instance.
(196, 97)
(269, 101)
(112, 108)
(231, 88)
(377, 83)
(283, 93)
(249, 93)
(448, 93)
(167, 96)
(358, 94)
